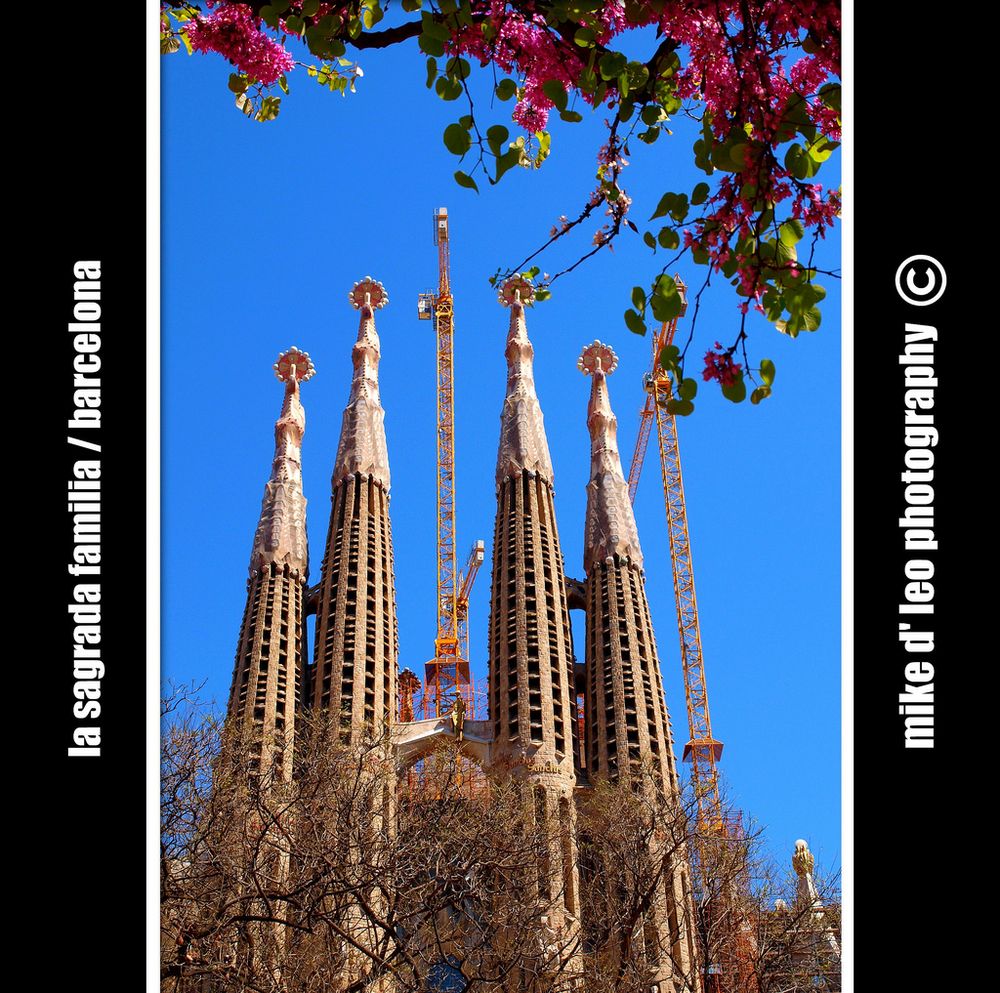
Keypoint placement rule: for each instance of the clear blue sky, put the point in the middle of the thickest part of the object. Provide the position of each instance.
(265, 229)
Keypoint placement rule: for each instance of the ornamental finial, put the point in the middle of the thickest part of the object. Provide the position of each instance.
(368, 292)
(597, 356)
(803, 861)
(294, 364)
(516, 289)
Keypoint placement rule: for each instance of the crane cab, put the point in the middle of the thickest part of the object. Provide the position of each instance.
(425, 306)
(440, 225)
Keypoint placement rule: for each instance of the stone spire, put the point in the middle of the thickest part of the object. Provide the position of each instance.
(626, 715)
(531, 678)
(803, 862)
(523, 445)
(820, 935)
(627, 725)
(267, 676)
(281, 531)
(354, 675)
(610, 524)
(362, 445)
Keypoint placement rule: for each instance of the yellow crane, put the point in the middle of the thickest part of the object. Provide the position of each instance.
(728, 964)
(702, 750)
(447, 673)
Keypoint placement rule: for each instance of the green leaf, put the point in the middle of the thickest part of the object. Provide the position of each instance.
(506, 88)
(496, 136)
(649, 240)
(269, 109)
(634, 322)
(687, 389)
(508, 160)
(638, 76)
(761, 393)
(458, 68)
(767, 371)
(447, 88)
(669, 356)
(584, 37)
(544, 146)
(464, 179)
(310, 8)
(830, 95)
(430, 46)
(295, 24)
(238, 82)
(556, 92)
(652, 114)
(639, 298)
(612, 64)
(699, 194)
(737, 393)
(456, 139)
(665, 206)
(432, 69)
(680, 408)
(668, 238)
(791, 231)
(572, 116)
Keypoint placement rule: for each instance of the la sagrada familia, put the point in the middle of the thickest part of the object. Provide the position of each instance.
(532, 731)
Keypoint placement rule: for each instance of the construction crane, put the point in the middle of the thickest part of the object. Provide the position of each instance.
(728, 967)
(703, 750)
(447, 673)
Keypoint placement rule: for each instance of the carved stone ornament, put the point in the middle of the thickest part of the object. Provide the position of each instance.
(281, 530)
(362, 445)
(523, 445)
(610, 523)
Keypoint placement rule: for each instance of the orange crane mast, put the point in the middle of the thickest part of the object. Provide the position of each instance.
(447, 673)
(702, 750)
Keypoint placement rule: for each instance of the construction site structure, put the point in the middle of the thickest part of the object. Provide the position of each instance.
(702, 750)
(446, 674)
(727, 938)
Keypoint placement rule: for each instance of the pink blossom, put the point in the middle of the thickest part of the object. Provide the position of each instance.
(233, 32)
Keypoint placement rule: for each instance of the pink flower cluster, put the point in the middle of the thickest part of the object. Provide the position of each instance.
(233, 32)
(719, 365)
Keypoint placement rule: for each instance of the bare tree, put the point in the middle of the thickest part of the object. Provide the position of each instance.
(353, 876)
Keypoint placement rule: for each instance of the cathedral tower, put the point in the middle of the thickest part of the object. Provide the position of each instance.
(625, 711)
(354, 676)
(530, 646)
(267, 676)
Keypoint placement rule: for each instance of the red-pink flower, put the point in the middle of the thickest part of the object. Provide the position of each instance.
(233, 32)
(720, 366)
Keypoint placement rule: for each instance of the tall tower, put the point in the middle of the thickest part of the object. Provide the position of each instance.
(267, 676)
(354, 676)
(626, 715)
(625, 710)
(530, 645)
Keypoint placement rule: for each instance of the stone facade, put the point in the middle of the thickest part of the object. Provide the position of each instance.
(267, 677)
(355, 667)
(532, 733)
